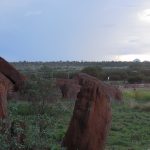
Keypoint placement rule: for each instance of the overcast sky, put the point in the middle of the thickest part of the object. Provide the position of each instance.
(92, 30)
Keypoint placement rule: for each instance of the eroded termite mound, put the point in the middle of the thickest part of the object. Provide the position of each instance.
(10, 80)
(91, 118)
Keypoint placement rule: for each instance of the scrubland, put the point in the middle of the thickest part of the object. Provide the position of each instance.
(44, 130)
(40, 117)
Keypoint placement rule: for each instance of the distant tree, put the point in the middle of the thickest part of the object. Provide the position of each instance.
(136, 60)
(136, 66)
(116, 75)
(95, 71)
(146, 79)
(135, 79)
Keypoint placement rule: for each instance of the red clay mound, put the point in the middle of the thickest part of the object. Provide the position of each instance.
(10, 79)
(69, 88)
(91, 117)
(11, 73)
(6, 86)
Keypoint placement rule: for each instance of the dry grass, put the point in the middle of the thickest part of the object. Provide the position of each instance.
(140, 106)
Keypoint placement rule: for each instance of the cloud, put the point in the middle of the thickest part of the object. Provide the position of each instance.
(131, 57)
(33, 13)
(144, 15)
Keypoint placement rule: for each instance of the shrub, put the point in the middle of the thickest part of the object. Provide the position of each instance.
(135, 79)
(95, 71)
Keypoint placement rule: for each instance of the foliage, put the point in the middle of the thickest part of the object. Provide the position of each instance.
(124, 71)
(45, 131)
(46, 118)
(135, 79)
(95, 71)
(116, 75)
(39, 90)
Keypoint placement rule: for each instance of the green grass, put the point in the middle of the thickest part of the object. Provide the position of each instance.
(137, 99)
(130, 129)
(138, 94)
(130, 126)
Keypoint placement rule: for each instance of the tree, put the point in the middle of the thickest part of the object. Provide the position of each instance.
(95, 71)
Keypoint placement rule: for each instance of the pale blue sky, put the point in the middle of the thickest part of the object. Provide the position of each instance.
(92, 30)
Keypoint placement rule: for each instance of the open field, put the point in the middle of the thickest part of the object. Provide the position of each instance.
(45, 131)
(40, 117)
(137, 94)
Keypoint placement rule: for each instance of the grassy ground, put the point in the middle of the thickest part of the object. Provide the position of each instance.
(130, 129)
(44, 131)
(142, 94)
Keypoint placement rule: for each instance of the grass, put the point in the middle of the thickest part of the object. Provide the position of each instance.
(138, 94)
(44, 131)
(129, 131)
(138, 99)
(143, 107)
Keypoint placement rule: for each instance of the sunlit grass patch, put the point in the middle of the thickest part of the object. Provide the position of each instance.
(138, 94)
(129, 130)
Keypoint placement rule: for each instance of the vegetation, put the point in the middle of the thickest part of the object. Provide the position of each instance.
(39, 118)
(130, 129)
(132, 72)
(130, 126)
(140, 95)
(95, 71)
(43, 131)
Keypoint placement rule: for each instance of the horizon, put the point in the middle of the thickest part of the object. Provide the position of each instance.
(79, 61)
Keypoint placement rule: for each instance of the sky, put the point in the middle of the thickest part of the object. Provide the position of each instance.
(75, 30)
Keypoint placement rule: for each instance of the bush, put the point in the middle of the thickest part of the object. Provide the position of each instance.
(39, 90)
(135, 79)
(95, 71)
(116, 75)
